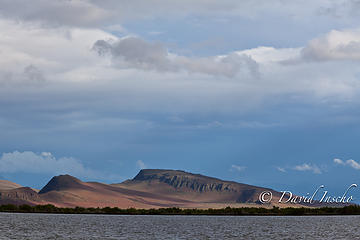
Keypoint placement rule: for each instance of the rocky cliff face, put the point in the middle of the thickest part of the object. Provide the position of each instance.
(22, 195)
(195, 187)
(184, 180)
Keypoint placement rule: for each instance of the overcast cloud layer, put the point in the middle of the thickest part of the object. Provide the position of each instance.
(203, 86)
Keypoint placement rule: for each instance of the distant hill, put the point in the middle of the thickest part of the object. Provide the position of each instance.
(7, 185)
(19, 196)
(65, 190)
(194, 187)
(150, 188)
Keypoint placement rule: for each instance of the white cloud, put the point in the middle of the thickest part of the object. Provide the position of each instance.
(45, 162)
(352, 163)
(266, 55)
(308, 167)
(339, 161)
(281, 169)
(45, 51)
(140, 164)
(335, 45)
(237, 168)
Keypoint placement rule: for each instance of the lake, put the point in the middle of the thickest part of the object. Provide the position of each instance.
(59, 226)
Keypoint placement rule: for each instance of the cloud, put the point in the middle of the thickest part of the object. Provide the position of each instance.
(341, 9)
(134, 52)
(54, 13)
(45, 162)
(140, 164)
(281, 169)
(352, 163)
(43, 53)
(266, 54)
(237, 168)
(30, 76)
(102, 12)
(339, 161)
(146, 78)
(308, 167)
(142, 77)
(147, 70)
(32, 73)
(335, 45)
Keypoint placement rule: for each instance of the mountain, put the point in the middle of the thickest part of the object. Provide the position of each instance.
(194, 187)
(7, 185)
(63, 183)
(19, 196)
(65, 190)
(150, 188)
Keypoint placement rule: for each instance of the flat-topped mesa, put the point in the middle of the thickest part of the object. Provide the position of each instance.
(148, 174)
(62, 182)
(184, 180)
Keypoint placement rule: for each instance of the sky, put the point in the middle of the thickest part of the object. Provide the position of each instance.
(263, 92)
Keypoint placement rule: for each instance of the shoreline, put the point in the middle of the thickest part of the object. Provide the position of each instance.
(228, 211)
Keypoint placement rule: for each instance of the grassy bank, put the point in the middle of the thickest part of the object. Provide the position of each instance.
(348, 210)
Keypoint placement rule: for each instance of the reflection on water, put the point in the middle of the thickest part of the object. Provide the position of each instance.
(51, 226)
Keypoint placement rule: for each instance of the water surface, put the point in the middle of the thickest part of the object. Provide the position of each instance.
(58, 226)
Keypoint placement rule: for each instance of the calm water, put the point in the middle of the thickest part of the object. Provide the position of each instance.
(49, 226)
